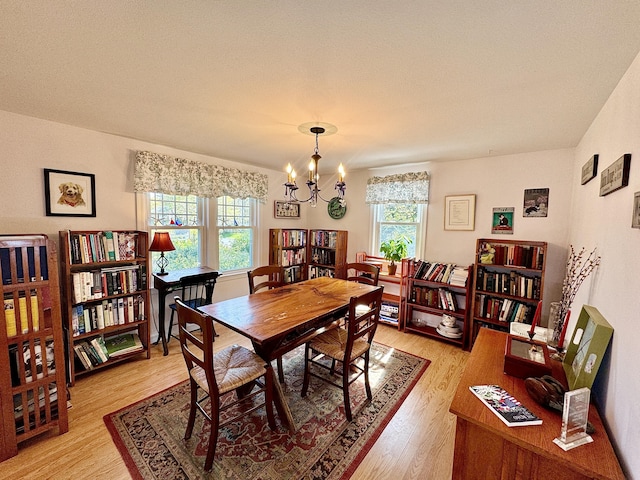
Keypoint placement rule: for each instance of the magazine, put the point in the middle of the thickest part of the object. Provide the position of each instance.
(506, 408)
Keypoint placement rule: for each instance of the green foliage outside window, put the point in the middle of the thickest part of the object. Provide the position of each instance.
(235, 248)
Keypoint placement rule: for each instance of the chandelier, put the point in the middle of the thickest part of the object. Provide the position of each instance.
(314, 178)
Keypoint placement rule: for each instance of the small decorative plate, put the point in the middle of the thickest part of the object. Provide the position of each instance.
(337, 208)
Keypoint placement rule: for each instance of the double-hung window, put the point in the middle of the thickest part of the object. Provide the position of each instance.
(236, 233)
(393, 219)
(183, 216)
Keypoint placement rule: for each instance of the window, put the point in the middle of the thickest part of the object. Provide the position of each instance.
(183, 217)
(236, 226)
(392, 219)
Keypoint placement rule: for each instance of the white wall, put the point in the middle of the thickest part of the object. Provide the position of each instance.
(605, 223)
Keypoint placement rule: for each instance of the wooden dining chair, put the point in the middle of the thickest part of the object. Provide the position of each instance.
(267, 276)
(218, 374)
(195, 291)
(347, 345)
(363, 273)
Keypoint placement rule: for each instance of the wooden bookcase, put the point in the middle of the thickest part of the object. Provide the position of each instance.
(327, 253)
(105, 280)
(33, 393)
(288, 248)
(508, 282)
(430, 294)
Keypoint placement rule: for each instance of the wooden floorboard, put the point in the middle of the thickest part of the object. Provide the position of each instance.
(417, 443)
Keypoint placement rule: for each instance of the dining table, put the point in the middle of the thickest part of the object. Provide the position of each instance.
(281, 319)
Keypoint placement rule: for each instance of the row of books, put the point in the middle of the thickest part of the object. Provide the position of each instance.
(99, 350)
(440, 272)
(434, 298)
(117, 311)
(293, 257)
(315, 272)
(292, 238)
(509, 283)
(324, 257)
(105, 246)
(389, 312)
(293, 274)
(324, 238)
(92, 285)
(503, 309)
(13, 316)
(28, 358)
(49, 394)
(527, 256)
(5, 264)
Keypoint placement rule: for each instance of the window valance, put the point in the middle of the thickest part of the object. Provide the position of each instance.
(410, 187)
(178, 176)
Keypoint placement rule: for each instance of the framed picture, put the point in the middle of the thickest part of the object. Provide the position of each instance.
(635, 221)
(502, 220)
(590, 169)
(536, 202)
(616, 175)
(459, 212)
(69, 194)
(283, 209)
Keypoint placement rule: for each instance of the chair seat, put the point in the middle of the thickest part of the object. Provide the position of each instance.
(193, 303)
(334, 342)
(234, 366)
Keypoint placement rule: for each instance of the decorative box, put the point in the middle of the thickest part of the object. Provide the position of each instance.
(526, 358)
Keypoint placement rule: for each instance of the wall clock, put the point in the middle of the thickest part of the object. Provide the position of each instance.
(337, 208)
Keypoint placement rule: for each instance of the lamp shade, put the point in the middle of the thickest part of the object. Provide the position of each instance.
(161, 243)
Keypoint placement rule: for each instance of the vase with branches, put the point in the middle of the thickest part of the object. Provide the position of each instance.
(579, 268)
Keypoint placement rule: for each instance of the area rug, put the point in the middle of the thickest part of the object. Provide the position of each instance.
(150, 434)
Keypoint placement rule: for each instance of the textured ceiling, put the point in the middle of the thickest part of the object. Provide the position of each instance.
(403, 82)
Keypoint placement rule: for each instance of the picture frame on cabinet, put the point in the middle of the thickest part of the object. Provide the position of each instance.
(69, 194)
(589, 169)
(459, 212)
(635, 220)
(616, 175)
(283, 209)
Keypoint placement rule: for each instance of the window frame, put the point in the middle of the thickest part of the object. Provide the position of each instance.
(253, 227)
(420, 242)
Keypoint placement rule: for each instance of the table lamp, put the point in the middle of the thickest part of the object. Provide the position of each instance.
(162, 243)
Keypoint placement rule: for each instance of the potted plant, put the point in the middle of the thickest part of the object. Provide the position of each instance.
(394, 250)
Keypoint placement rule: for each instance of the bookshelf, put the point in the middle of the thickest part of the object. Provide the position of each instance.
(33, 394)
(438, 296)
(508, 282)
(327, 253)
(105, 297)
(288, 248)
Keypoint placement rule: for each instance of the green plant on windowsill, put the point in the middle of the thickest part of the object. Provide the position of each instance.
(394, 250)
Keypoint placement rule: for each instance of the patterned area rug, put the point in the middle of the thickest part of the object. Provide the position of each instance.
(149, 434)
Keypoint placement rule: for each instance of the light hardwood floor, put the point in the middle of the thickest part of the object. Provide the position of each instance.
(417, 443)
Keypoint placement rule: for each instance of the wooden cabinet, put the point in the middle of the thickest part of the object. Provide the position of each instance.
(508, 282)
(33, 394)
(487, 448)
(288, 248)
(327, 253)
(437, 301)
(105, 297)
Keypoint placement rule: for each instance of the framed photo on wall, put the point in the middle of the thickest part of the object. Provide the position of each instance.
(69, 194)
(459, 212)
(502, 220)
(283, 209)
(635, 221)
(589, 169)
(616, 175)
(536, 202)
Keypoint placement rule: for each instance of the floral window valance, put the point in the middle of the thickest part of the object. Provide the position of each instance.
(410, 187)
(177, 176)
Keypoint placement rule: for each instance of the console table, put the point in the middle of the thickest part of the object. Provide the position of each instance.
(486, 448)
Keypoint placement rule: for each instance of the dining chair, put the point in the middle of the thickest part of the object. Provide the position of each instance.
(234, 368)
(366, 273)
(347, 345)
(195, 291)
(267, 276)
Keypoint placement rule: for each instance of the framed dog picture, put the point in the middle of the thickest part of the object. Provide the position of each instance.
(69, 194)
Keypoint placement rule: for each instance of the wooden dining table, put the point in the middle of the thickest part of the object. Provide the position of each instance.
(281, 319)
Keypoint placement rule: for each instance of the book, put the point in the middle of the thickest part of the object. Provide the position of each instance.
(10, 317)
(505, 407)
(123, 344)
